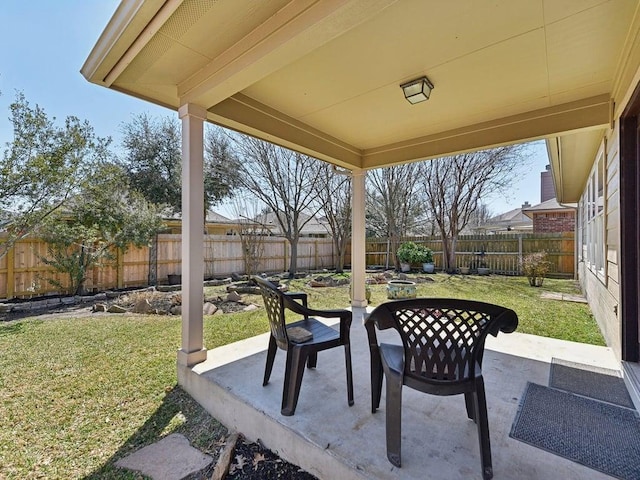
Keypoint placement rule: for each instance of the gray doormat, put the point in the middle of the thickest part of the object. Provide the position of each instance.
(596, 434)
(590, 381)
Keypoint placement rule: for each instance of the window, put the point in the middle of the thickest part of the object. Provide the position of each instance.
(592, 228)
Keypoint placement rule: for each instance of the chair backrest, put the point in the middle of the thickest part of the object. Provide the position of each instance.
(443, 338)
(274, 304)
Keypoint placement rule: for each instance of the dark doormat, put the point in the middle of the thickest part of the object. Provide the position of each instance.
(596, 434)
(590, 381)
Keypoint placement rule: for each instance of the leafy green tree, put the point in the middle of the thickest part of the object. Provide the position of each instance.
(221, 167)
(105, 216)
(153, 161)
(43, 166)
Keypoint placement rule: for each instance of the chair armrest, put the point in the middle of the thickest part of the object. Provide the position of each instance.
(343, 315)
(298, 296)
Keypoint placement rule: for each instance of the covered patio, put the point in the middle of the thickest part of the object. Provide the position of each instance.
(331, 440)
(324, 78)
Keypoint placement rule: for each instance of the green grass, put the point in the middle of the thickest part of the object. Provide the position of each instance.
(76, 394)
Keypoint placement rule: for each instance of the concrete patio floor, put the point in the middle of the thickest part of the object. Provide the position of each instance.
(331, 440)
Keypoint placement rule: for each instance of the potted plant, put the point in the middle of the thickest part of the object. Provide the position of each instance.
(412, 253)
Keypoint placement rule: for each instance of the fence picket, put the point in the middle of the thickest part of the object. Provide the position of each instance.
(23, 274)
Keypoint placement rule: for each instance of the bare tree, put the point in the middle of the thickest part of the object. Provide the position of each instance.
(283, 180)
(251, 232)
(333, 192)
(479, 218)
(454, 186)
(393, 203)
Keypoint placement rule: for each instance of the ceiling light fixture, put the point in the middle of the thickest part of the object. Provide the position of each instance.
(417, 90)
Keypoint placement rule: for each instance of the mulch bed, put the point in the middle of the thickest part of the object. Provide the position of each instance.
(252, 461)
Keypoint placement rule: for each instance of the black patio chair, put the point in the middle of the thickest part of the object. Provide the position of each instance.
(302, 339)
(441, 354)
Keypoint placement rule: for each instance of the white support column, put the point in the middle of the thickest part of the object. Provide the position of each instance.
(192, 349)
(358, 239)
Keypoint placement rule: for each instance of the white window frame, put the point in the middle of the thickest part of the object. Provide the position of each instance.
(593, 228)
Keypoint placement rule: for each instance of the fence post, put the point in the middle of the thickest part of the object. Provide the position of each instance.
(11, 279)
(120, 269)
(519, 253)
(315, 244)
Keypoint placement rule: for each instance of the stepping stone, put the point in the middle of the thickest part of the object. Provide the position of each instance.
(172, 458)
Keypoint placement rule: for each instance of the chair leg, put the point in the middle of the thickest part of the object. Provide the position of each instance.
(312, 360)
(296, 359)
(376, 379)
(468, 402)
(347, 359)
(271, 355)
(482, 420)
(394, 418)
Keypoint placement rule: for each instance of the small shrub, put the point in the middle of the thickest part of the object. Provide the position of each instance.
(411, 252)
(535, 266)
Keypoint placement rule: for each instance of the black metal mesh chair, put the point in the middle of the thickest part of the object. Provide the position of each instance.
(301, 350)
(441, 354)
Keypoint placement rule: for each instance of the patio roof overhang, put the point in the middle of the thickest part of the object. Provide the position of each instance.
(322, 76)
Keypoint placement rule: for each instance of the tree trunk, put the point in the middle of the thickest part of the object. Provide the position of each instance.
(448, 254)
(339, 255)
(452, 254)
(293, 261)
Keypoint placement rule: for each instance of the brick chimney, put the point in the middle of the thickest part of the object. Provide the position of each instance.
(547, 191)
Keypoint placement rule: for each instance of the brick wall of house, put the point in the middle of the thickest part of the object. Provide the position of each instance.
(554, 222)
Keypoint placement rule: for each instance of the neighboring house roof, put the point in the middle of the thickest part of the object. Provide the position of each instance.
(314, 225)
(550, 205)
(513, 220)
(212, 217)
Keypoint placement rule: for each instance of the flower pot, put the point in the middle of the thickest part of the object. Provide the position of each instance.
(174, 279)
(465, 270)
(428, 267)
(397, 289)
(483, 271)
(405, 267)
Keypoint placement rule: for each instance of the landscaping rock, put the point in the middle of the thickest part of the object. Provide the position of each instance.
(209, 309)
(142, 306)
(176, 310)
(116, 309)
(99, 307)
(172, 458)
(168, 288)
(250, 308)
(4, 308)
(216, 282)
(233, 297)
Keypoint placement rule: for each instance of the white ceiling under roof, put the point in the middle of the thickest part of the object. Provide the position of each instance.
(323, 76)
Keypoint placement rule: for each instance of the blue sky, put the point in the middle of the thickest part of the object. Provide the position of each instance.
(44, 43)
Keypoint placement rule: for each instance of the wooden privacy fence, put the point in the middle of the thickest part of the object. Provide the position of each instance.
(24, 274)
(500, 253)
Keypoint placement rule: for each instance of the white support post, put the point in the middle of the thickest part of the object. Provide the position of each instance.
(192, 349)
(358, 239)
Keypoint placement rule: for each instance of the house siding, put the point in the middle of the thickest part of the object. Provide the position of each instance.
(602, 289)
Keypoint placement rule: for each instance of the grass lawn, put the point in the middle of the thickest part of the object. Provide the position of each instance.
(77, 393)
